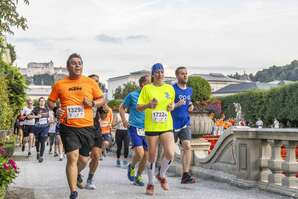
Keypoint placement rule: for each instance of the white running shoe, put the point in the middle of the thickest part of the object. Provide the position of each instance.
(90, 185)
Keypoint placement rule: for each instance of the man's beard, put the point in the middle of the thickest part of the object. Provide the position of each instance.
(182, 81)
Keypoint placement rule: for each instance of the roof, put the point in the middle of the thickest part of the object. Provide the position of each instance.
(118, 77)
(217, 77)
(242, 87)
(140, 72)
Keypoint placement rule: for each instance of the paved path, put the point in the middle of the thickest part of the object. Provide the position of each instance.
(48, 181)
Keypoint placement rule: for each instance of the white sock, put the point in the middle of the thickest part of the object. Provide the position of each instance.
(165, 164)
(151, 172)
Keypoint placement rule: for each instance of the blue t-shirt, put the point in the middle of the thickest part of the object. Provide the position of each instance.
(180, 114)
(136, 118)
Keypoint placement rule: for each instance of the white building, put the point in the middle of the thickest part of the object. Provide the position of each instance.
(218, 80)
(115, 82)
(34, 68)
(37, 91)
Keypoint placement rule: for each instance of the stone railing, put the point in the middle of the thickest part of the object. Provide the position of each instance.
(250, 157)
(272, 172)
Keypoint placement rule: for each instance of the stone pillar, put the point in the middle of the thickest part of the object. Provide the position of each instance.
(200, 149)
(290, 166)
(275, 163)
(266, 156)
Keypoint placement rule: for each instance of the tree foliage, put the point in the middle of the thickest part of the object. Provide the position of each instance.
(280, 103)
(6, 112)
(16, 85)
(201, 89)
(13, 55)
(9, 17)
(122, 92)
(287, 72)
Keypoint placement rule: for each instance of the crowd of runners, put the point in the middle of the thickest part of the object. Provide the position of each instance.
(76, 122)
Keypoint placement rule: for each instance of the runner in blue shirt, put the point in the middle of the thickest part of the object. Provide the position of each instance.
(135, 127)
(181, 121)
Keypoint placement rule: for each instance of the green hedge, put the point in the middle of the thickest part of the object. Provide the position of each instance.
(280, 103)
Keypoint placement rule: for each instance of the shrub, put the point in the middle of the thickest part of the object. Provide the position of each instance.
(201, 89)
(8, 169)
(6, 112)
(16, 85)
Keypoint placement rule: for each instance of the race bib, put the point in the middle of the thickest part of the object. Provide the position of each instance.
(159, 116)
(43, 120)
(140, 132)
(75, 112)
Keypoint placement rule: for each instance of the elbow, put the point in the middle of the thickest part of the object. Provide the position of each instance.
(139, 108)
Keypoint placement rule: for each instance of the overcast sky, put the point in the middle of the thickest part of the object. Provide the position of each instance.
(115, 37)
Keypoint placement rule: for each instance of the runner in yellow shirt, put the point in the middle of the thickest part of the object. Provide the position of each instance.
(157, 101)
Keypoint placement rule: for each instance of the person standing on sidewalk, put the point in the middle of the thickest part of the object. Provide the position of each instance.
(181, 121)
(78, 94)
(135, 125)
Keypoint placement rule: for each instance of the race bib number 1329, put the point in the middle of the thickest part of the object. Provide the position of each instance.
(75, 112)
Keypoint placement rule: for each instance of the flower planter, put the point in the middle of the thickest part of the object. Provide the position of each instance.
(3, 190)
(201, 124)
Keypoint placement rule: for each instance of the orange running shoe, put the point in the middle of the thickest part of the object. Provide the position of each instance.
(163, 182)
(150, 190)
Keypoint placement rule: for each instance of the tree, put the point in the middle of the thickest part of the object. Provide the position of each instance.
(13, 55)
(122, 92)
(9, 17)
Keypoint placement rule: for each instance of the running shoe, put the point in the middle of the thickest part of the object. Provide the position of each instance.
(163, 182)
(124, 164)
(37, 155)
(73, 195)
(118, 163)
(131, 173)
(139, 181)
(29, 153)
(80, 181)
(150, 189)
(40, 160)
(90, 185)
(188, 179)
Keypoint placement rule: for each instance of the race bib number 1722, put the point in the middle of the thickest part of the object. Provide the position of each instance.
(75, 112)
(159, 116)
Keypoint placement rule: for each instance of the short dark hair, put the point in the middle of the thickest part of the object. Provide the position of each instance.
(179, 68)
(93, 75)
(142, 79)
(73, 55)
(41, 98)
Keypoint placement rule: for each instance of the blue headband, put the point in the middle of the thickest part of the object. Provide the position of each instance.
(156, 67)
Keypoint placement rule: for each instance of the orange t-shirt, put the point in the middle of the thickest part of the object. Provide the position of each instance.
(71, 94)
(106, 124)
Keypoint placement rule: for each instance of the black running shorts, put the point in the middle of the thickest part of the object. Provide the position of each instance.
(74, 138)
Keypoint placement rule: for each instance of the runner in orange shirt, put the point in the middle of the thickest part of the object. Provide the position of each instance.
(77, 95)
(106, 123)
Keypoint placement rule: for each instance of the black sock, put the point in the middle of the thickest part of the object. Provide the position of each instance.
(90, 176)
